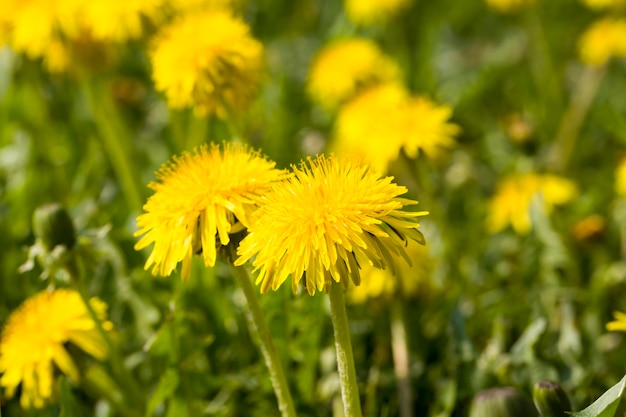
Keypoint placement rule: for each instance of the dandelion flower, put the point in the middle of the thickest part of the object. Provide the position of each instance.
(605, 39)
(373, 125)
(199, 200)
(343, 67)
(382, 120)
(118, 21)
(33, 343)
(428, 128)
(333, 216)
(507, 6)
(619, 324)
(513, 198)
(367, 12)
(208, 61)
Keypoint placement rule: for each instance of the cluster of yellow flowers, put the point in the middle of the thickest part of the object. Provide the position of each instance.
(377, 117)
(220, 71)
(322, 221)
(605, 38)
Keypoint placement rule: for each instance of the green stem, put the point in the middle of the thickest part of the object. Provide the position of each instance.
(345, 357)
(122, 376)
(259, 327)
(574, 116)
(115, 139)
(400, 352)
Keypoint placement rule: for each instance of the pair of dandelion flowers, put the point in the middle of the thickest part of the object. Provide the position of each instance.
(317, 224)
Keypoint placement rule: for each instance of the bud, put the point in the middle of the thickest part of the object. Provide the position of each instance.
(502, 402)
(53, 226)
(550, 399)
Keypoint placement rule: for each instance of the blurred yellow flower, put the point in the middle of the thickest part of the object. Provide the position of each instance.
(208, 61)
(34, 339)
(381, 120)
(620, 178)
(506, 6)
(343, 67)
(199, 199)
(619, 324)
(115, 21)
(604, 4)
(602, 41)
(407, 281)
(35, 27)
(186, 6)
(48, 28)
(367, 12)
(511, 203)
(372, 125)
(333, 216)
(428, 128)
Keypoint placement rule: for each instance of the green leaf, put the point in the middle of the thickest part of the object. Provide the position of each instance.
(166, 388)
(607, 404)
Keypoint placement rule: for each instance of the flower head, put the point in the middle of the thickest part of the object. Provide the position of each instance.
(208, 61)
(367, 12)
(372, 125)
(199, 200)
(33, 342)
(57, 30)
(343, 67)
(619, 324)
(381, 120)
(332, 217)
(513, 198)
(428, 128)
(118, 21)
(603, 40)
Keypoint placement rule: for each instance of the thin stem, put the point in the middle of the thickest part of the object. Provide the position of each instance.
(574, 116)
(259, 327)
(122, 377)
(115, 139)
(400, 351)
(345, 357)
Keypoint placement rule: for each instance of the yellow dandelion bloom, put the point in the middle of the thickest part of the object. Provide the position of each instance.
(33, 343)
(373, 125)
(186, 6)
(620, 178)
(115, 21)
(208, 61)
(407, 281)
(343, 67)
(33, 27)
(619, 324)
(506, 6)
(367, 12)
(511, 203)
(332, 217)
(428, 128)
(199, 199)
(603, 40)
(604, 4)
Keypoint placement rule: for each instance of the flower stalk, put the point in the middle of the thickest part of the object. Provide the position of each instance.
(258, 326)
(345, 357)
